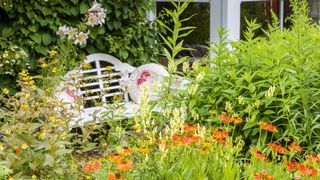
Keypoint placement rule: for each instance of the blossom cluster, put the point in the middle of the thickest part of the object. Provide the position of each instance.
(73, 34)
(96, 15)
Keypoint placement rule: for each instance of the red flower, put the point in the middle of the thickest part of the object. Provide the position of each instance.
(18, 150)
(225, 118)
(126, 151)
(124, 165)
(236, 120)
(190, 128)
(259, 155)
(295, 147)
(91, 167)
(313, 158)
(115, 176)
(268, 127)
(115, 157)
(291, 165)
(276, 146)
(262, 176)
(220, 134)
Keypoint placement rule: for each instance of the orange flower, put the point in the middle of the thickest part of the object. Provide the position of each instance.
(203, 151)
(115, 157)
(190, 128)
(236, 120)
(263, 176)
(145, 150)
(312, 158)
(18, 150)
(91, 167)
(222, 141)
(220, 134)
(304, 170)
(268, 127)
(295, 147)
(291, 165)
(126, 151)
(124, 165)
(225, 118)
(259, 155)
(115, 176)
(276, 146)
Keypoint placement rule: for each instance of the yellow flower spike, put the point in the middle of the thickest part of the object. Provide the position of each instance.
(24, 146)
(54, 70)
(42, 135)
(44, 65)
(53, 53)
(1, 147)
(86, 66)
(5, 91)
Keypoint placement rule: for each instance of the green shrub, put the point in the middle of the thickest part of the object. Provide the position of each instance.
(265, 79)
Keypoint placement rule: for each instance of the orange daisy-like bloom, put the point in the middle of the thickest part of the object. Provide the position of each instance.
(115, 176)
(126, 151)
(276, 146)
(145, 150)
(259, 155)
(304, 170)
(268, 127)
(291, 165)
(312, 158)
(220, 134)
(263, 176)
(190, 128)
(92, 166)
(236, 120)
(225, 118)
(18, 150)
(222, 141)
(115, 157)
(295, 147)
(124, 165)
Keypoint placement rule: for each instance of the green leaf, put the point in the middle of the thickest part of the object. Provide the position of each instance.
(32, 28)
(192, 103)
(268, 112)
(36, 37)
(249, 125)
(46, 39)
(74, 1)
(7, 31)
(49, 160)
(84, 8)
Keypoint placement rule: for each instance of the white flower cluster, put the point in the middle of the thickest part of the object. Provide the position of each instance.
(96, 15)
(73, 34)
(11, 57)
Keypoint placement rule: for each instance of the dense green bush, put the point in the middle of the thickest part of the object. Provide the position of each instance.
(271, 79)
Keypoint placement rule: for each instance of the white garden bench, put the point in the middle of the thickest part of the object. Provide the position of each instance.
(86, 92)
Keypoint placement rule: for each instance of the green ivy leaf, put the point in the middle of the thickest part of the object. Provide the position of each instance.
(32, 28)
(46, 39)
(36, 37)
(84, 8)
(7, 31)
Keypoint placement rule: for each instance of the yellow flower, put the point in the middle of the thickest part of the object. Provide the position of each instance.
(42, 135)
(54, 70)
(86, 66)
(53, 53)
(109, 68)
(34, 177)
(8, 132)
(5, 91)
(24, 106)
(44, 65)
(10, 178)
(51, 118)
(1, 147)
(24, 146)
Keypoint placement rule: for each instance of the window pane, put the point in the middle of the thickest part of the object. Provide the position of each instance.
(200, 37)
(315, 10)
